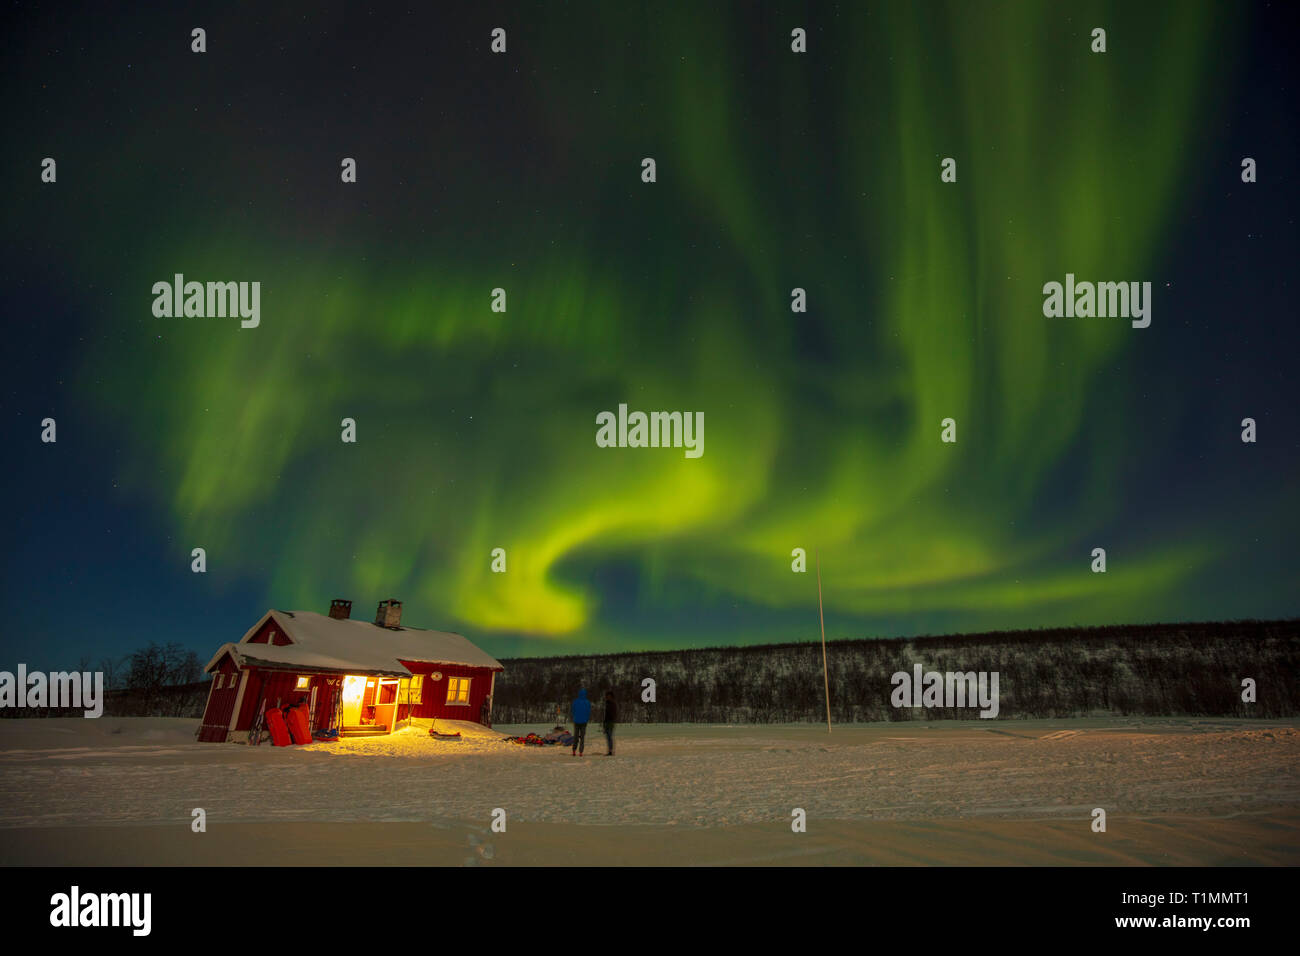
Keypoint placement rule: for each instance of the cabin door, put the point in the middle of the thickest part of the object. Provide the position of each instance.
(386, 703)
(368, 702)
(353, 690)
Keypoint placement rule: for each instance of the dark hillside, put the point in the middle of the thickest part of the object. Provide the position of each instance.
(1153, 670)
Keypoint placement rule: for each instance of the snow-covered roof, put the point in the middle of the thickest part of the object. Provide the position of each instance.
(320, 642)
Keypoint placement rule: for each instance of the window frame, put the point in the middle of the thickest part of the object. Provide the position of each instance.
(411, 690)
(457, 683)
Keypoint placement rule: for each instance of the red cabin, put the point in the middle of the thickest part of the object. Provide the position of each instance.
(358, 677)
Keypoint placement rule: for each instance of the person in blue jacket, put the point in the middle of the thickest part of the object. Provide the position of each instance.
(581, 715)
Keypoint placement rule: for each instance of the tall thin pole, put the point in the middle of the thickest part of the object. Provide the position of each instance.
(822, 618)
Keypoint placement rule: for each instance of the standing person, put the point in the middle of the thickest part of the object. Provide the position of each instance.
(581, 715)
(485, 714)
(611, 718)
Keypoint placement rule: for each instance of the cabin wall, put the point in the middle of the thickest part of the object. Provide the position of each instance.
(434, 700)
(272, 688)
(328, 687)
(221, 702)
(270, 633)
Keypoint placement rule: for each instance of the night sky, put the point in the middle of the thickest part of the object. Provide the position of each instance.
(775, 170)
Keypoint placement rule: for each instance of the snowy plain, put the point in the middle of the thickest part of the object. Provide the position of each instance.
(1234, 782)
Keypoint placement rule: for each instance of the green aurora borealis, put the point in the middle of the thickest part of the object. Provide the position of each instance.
(475, 428)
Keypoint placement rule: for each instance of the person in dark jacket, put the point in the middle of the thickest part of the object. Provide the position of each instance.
(581, 716)
(611, 718)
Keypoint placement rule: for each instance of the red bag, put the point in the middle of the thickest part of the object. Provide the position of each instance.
(275, 724)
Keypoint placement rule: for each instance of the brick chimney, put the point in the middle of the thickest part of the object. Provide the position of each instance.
(340, 609)
(389, 613)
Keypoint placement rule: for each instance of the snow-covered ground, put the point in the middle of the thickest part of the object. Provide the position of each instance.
(976, 776)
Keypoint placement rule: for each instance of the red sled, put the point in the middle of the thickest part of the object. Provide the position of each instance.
(298, 728)
(275, 724)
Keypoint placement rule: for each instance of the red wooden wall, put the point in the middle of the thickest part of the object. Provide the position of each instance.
(221, 702)
(270, 633)
(327, 688)
(434, 700)
(274, 688)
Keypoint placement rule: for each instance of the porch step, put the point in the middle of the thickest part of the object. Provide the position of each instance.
(365, 730)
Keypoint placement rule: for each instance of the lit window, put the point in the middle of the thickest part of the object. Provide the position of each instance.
(458, 690)
(303, 682)
(412, 690)
(216, 681)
